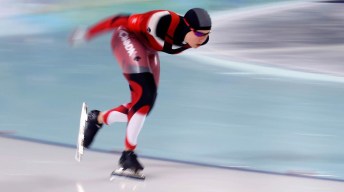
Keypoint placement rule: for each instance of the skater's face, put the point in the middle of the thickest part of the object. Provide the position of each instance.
(196, 38)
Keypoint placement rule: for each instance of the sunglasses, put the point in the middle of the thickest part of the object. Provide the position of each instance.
(197, 33)
(200, 34)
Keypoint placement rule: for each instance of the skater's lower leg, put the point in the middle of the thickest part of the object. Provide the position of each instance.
(117, 114)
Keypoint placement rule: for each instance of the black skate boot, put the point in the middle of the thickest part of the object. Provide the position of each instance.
(92, 127)
(129, 167)
(129, 160)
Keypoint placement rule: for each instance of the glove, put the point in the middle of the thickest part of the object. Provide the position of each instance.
(78, 36)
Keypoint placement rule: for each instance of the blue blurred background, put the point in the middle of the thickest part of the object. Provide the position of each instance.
(265, 94)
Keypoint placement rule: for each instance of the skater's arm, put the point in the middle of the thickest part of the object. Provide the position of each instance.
(106, 25)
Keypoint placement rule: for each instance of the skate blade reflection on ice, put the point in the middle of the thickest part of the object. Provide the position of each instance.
(127, 173)
(128, 185)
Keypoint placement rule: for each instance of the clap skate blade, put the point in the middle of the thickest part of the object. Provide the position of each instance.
(79, 146)
(127, 173)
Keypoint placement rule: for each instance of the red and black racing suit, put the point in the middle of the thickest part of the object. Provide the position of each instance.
(136, 40)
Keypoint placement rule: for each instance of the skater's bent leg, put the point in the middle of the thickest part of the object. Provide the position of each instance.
(141, 67)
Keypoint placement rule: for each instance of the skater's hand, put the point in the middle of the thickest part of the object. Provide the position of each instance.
(78, 37)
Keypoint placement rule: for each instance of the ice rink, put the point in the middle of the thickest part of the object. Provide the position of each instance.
(258, 109)
(44, 167)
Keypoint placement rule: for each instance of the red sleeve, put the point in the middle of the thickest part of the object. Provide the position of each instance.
(106, 25)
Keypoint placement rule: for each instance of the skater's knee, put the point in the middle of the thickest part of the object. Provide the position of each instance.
(144, 90)
(149, 96)
(146, 101)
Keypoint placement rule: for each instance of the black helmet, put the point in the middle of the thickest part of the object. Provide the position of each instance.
(198, 19)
